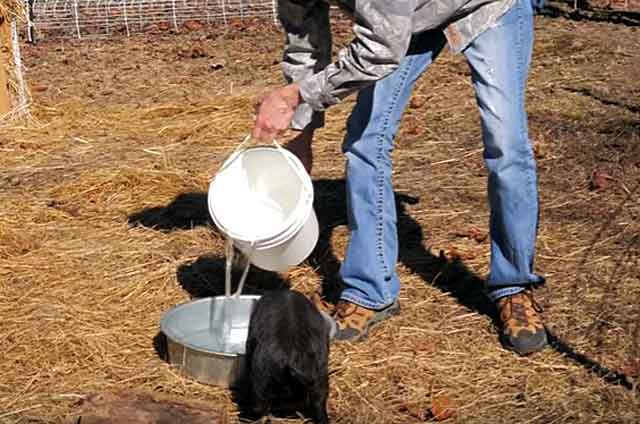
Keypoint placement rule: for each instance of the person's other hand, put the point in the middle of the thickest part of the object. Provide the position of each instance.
(276, 112)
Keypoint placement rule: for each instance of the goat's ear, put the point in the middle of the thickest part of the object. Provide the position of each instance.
(331, 324)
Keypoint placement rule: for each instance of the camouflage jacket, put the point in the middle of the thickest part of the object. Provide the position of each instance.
(383, 30)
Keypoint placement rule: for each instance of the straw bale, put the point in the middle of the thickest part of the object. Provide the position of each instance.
(13, 9)
(12, 12)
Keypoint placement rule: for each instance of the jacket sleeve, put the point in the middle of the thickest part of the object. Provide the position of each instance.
(382, 36)
(307, 50)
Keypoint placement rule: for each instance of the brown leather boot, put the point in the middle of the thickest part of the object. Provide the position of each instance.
(354, 321)
(522, 328)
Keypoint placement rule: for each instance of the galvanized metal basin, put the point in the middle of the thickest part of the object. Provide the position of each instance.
(195, 339)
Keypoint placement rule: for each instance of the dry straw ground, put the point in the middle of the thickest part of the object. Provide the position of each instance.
(103, 227)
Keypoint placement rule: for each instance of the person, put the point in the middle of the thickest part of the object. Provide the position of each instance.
(394, 43)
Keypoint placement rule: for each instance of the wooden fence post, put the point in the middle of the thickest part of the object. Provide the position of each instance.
(5, 45)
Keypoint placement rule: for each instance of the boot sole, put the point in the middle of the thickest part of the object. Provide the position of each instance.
(529, 350)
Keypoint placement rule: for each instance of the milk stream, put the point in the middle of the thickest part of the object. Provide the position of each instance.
(252, 201)
(224, 336)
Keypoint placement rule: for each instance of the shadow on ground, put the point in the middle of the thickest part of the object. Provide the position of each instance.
(565, 9)
(205, 276)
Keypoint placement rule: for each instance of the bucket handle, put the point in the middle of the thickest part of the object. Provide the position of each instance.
(241, 146)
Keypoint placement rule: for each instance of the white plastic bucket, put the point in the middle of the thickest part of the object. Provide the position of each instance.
(262, 199)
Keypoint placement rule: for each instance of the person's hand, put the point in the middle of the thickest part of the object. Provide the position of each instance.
(300, 145)
(276, 112)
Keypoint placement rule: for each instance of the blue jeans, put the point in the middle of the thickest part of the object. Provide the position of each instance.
(499, 59)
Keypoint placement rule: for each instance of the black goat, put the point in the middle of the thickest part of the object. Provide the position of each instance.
(287, 355)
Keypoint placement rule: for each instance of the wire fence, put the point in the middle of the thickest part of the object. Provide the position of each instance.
(81, 18)
(84, 18)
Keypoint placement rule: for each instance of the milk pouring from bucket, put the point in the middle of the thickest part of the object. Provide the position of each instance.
(262, 200)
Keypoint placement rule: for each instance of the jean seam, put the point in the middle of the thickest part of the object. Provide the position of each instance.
(523, 118)
(519, 50)
(380, 178)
